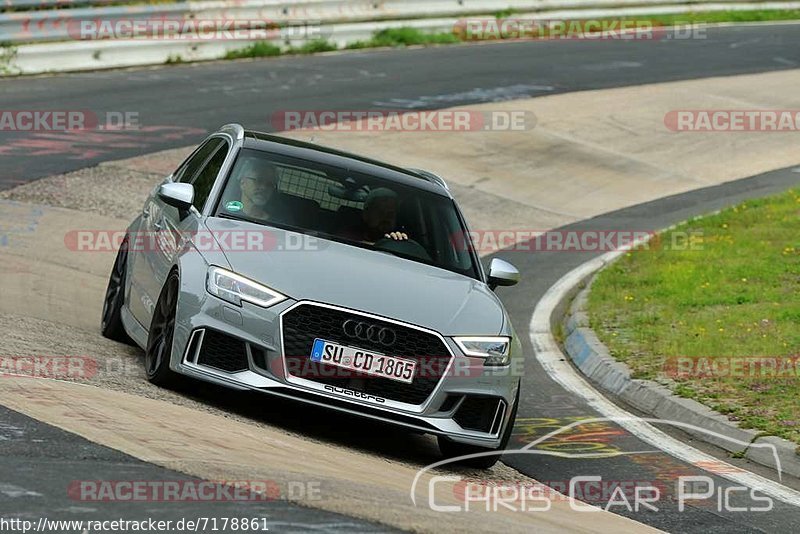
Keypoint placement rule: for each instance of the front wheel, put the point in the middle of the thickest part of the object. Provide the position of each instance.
(111, 321)
(452, 449)
(162, 330)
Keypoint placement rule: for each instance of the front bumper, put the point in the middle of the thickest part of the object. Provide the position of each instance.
(243, 348)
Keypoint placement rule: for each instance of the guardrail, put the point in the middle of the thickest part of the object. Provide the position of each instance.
(65, 24)
(47, 4)
(61, 47)
(55, 24)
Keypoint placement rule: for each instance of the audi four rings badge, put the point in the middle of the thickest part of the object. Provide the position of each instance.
(369, 332)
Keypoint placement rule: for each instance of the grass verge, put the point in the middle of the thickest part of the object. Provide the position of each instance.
(259, 49)
(731, 298)
(757, 15)
(404, 36)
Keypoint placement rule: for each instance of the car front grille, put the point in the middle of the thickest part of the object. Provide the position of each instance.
(306, 322)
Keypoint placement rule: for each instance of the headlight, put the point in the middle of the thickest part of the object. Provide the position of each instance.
(495, 350)
(235, 288)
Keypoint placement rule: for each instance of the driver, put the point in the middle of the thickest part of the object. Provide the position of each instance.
(379, 217)
(259, 184)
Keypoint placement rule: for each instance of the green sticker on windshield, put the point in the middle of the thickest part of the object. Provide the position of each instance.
(234, 205)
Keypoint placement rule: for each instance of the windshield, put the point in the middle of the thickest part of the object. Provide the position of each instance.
(348, 207)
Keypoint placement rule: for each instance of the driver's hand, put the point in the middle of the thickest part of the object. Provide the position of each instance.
(397, 236)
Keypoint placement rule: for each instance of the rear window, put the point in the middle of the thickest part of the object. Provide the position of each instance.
(303, 183)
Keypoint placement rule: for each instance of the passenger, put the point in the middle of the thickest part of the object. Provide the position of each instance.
(378, 218)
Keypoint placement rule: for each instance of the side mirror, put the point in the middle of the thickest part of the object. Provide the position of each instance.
(178, 195)
(502, 273)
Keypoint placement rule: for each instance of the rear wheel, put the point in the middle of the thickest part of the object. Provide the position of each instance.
(111, 321)
(162, 330)
(452, 449)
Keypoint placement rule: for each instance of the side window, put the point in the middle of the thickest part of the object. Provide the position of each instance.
(205, 179)
(189, 168)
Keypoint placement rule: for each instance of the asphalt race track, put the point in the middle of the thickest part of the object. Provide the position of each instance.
(177, 106)
(39, 461)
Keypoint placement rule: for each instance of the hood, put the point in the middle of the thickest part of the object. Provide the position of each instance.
(360, 279)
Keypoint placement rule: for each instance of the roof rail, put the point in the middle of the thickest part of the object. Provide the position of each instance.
(432, 177)
(235, 130)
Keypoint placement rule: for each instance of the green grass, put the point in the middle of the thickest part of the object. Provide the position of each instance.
(259, 49)
(758, 15)
(739, 296)
(268, 49)
(506, 13)
(7, 55)
(313, 47)
(404, 36)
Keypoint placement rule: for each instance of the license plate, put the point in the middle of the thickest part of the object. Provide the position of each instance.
(363, 361)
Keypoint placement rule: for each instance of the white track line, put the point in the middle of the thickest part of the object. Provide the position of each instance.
(558, 367)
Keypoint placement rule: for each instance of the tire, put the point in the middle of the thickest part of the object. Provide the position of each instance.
(452, 449)
(162, 331)
(111, 320)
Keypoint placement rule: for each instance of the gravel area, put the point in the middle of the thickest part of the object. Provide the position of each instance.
(105, 189)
